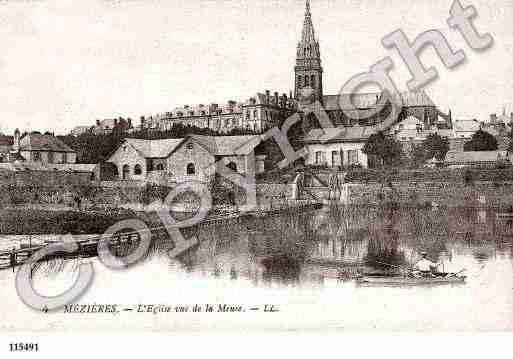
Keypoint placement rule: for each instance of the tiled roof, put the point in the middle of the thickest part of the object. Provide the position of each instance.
(38, 142)
(228, 145)
(154, 148)
(474, 156)
(339, 134)
(372, 100)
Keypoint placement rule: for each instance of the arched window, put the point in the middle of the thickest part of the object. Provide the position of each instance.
(232, 166)
(137, 170)
(160, 167)
(126, 171)
(306, 81)
(191, 169)
(312, 81)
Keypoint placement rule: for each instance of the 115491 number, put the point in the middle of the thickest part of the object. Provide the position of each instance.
(24, 347)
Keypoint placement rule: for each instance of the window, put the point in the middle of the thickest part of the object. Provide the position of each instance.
(137, 170)
(306, 81)
(353, 156)
(50, 157)
(247, 115)
(312, 81)
(160, 167)
(36, 156)
(335, 158)
(255, 114)
(191, 169)
(126, 171)
(318, 157)
(299, 79)
(64, 157)
(232, 166)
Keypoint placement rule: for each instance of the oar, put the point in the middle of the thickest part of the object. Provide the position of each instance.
(455, 274)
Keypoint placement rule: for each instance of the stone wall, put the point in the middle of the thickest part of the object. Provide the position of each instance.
(443, 194)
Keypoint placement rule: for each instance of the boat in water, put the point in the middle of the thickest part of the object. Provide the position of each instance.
(399, 280)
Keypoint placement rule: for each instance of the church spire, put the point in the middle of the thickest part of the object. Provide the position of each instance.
(308, 34)
(308, 69)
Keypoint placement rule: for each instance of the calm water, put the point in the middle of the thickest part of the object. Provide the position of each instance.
(295, 262)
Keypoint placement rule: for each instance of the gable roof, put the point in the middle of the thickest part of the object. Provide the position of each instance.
(228, 145)
(154, 148)
(339, 134)
(39, 142)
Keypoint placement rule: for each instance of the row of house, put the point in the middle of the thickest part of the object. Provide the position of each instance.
(257, 114)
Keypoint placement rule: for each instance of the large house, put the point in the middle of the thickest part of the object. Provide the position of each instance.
(337, 146)
(257, 114)
(36, 148)
(185, 159)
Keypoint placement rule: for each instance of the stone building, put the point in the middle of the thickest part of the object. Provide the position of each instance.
(337, 147)
(36, 148)
(185, 159)
(105, 126)
(257, 114)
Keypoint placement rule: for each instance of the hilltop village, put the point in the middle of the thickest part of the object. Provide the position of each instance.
(181, 145)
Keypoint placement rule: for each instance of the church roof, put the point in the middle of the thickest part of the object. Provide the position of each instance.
(372, 100)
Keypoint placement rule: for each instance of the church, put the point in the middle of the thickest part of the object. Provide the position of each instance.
(267, 110)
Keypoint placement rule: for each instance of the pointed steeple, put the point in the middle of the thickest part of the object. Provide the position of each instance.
(308, 34)
(308, 69)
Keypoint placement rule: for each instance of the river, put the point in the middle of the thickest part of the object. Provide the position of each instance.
(294, 263)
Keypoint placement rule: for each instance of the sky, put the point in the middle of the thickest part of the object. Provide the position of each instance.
(67, 63)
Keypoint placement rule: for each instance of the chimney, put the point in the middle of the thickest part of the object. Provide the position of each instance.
(267, 96)
(97, 122)
(511, 116)
(16, 144)
(276, 99)
(493, 118)
(129, 123)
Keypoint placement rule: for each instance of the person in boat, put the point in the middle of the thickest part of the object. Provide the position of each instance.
(425, 267)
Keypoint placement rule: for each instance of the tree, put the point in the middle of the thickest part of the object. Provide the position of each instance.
(481, 141)
(510, 141)
(432, 146)
(385, 149)
(435, 146)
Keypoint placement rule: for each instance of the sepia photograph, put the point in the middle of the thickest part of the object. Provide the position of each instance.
(228, 166)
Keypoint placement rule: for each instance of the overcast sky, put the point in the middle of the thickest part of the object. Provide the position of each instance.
(66, 63)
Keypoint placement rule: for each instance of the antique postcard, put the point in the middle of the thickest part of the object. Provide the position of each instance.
(227, 166)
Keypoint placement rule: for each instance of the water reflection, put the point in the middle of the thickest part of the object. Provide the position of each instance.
(337, 241)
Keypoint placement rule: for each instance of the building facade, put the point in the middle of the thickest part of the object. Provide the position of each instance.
(37, 148)
(194, 158)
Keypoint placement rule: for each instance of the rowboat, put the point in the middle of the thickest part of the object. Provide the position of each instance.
(448, 278)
